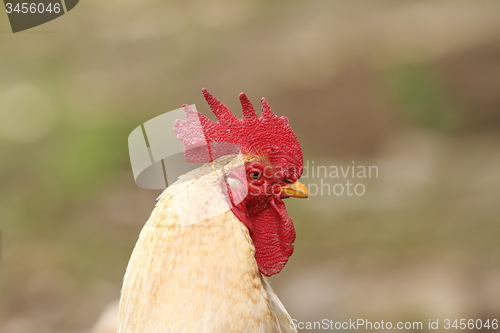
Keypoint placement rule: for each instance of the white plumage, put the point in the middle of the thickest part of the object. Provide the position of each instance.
(193, 267)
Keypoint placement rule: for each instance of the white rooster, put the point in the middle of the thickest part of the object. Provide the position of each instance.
(200, 260)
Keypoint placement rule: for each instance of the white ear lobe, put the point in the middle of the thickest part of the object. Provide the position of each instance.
(236, 181)
(234, 184)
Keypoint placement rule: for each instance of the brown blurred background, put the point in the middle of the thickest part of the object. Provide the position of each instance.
(412, 87)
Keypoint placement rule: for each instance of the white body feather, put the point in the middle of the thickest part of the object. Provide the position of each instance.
(200, 276)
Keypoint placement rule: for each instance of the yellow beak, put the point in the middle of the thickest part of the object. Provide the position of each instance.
(296, 190)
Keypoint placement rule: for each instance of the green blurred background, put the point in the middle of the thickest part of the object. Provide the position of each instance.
(411, 87)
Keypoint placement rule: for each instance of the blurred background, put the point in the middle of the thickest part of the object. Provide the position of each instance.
(410, 87)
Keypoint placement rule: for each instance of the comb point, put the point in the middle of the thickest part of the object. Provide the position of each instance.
(222, 112)
(247, 107)
(267, 113)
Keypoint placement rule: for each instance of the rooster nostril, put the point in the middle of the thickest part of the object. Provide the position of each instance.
(276, 189)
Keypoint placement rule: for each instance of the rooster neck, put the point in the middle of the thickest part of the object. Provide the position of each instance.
(195, 259)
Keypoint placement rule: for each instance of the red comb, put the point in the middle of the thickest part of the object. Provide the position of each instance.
(205, 140)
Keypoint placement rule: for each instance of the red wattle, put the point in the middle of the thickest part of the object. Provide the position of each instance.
(272, 233)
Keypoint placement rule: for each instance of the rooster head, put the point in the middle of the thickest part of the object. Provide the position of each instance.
(273, 165)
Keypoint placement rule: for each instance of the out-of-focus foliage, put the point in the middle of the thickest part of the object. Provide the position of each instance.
(412, 87)
(424, 98)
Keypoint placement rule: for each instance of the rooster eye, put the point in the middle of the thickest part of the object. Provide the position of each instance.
(287, 181)
(255, 175)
